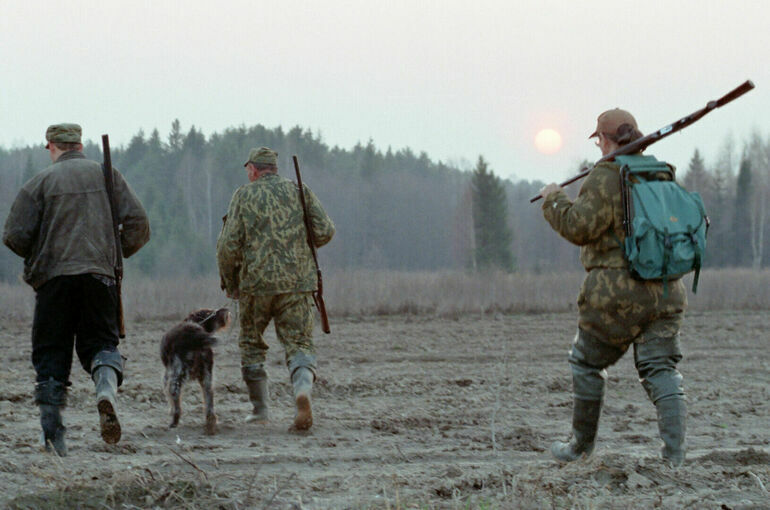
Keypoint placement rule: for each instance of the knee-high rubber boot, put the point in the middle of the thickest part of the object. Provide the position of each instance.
(672, 416)
(302, 380)
(51, 397)
(255, 378)
(585, 422)
(302, 370)
(107, 371)
(656, 361)
(588, 359)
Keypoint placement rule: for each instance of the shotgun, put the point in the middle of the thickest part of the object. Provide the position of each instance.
(318, 295)
(644, 142)
(116, 229)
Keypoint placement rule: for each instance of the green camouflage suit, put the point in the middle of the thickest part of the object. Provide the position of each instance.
(614, 308)
(263, 254)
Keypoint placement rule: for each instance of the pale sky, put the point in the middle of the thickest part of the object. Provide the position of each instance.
(454, 79)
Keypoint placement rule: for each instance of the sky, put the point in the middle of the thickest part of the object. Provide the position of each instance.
(455, 79)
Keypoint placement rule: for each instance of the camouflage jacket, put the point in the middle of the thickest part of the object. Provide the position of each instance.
(262, 249)
(613, 306)
(61, 222)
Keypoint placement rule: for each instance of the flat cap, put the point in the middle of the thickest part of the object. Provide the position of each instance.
(63, 133)
(262, 156)
(609, 122)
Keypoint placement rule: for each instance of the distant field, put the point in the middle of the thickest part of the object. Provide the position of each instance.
(443, 294)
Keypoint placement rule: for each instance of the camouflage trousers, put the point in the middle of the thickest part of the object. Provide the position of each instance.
(292, 315)
(618, 310)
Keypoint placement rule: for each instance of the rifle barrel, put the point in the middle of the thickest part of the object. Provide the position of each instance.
(116, 229)
(318, 294)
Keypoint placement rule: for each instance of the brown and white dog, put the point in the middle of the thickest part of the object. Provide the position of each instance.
(186, 352)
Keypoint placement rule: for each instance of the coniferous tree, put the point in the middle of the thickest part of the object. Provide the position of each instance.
(28, 173)
(175, 137)
(697, 178)
(492, 235)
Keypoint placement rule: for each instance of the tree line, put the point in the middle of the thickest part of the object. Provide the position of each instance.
(394, 209)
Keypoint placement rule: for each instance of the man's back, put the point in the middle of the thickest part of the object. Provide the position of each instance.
(61, 222)
(264, 242)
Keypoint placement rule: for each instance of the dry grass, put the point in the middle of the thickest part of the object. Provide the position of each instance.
(362, 293)
(126, 490)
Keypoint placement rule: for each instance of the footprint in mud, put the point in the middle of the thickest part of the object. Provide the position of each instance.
(523, 439)
(747, 457)
(120, 448)
(635, 439)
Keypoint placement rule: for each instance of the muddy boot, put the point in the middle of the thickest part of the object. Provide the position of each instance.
(302, 379)
(107, 371)
(255, 378)
(585, 421)
(51, 397)
(588, 360)
(656, 362)
(672, 414)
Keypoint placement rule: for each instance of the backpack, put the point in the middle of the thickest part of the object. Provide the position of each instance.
(665, 225)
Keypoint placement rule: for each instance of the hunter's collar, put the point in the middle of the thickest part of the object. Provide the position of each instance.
(71, 155)
(267, 175)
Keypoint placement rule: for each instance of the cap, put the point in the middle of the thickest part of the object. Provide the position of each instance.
(63, 133)
(263, 156)
(609, 122)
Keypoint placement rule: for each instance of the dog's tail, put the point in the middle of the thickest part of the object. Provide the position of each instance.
(185, 338)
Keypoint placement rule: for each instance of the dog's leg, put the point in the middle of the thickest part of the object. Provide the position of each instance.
(206, 381)
(173, 382)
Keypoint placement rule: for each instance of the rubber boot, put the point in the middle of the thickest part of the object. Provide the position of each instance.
(588, 360)
(255, 378)
(53, 429)
(656, 361)
(302, 380)
(106, 381)
(672, 416)
(585, 422)
(51, 397)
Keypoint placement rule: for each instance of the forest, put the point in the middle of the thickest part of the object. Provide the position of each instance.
(393, 209)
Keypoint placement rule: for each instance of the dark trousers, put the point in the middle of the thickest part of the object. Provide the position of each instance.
(78, 310)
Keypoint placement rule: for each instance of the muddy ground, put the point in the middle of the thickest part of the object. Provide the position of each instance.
(410, 412)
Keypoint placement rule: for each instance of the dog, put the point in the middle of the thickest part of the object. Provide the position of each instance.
(186, 352)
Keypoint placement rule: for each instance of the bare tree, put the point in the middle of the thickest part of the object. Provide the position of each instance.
(758, 152)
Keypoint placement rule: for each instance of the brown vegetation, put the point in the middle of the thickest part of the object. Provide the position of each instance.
(442, 294)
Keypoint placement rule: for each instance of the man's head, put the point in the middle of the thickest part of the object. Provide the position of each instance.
(615, 128)
(61, 138)
(261, 161)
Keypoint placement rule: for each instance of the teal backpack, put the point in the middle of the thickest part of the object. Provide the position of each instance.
(665, 225)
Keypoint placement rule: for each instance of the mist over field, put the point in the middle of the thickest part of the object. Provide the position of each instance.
(447, 294)
(395, 209)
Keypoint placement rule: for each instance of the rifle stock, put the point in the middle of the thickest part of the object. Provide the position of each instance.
(645, 141)
(116, 228)
(318, 297)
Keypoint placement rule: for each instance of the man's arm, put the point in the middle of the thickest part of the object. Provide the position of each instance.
(323, 227)
(22, 224)
(588, 217)
(133, 217)
(230, 249)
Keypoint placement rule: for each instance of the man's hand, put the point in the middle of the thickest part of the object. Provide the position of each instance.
(548, 189)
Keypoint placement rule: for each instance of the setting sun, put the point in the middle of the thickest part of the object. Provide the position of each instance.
(548, 141)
